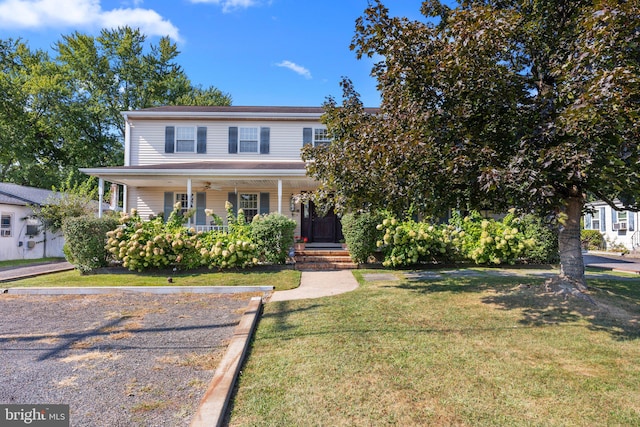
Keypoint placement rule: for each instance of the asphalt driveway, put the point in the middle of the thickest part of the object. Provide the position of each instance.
(117, 360)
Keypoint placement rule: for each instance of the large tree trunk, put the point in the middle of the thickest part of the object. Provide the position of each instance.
(571, 262)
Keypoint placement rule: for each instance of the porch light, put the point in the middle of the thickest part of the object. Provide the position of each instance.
(292, 204)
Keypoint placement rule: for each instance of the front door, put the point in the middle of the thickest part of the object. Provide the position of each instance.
(320, 229)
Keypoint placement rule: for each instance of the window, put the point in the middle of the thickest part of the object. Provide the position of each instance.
(249, 204)
(184, 202)
(593, 220)
(185, 139)
(320, 137)
(248, 139)
(5, 225)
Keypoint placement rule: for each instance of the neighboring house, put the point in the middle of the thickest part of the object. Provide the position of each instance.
(619, 227)
(203, 157)
(21, 235)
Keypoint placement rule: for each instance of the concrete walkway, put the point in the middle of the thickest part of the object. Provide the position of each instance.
(318, 284)
(14, 273)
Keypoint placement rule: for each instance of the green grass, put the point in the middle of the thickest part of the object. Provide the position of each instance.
(20, 262)
(281, 279)
(471, 348)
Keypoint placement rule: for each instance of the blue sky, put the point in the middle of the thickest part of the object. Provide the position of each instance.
(261, 52)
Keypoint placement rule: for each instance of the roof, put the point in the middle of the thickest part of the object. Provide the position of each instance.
(215, 166)
(21, 195)
(252, 112)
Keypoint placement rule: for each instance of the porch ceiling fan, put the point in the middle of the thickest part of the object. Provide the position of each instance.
(209, 186)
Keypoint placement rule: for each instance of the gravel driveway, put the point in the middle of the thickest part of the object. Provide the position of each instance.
(117, 360)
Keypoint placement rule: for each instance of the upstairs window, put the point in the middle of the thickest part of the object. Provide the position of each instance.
(315, 136)
(320, 137)
(5, 225)
(248, 139)
(185, 139)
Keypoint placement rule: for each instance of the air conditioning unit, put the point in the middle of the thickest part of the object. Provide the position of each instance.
(617, 226)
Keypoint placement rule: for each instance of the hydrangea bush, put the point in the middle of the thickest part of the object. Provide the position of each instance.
(482, 240)
(142, 245)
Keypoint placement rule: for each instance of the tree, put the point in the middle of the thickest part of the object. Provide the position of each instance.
(29, 131)
(496, 103)
(60, 114)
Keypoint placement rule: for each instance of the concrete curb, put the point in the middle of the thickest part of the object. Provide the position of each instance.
(212, 408)
(132, 289)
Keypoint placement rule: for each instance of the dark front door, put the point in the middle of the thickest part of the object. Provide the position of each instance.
(320, 229)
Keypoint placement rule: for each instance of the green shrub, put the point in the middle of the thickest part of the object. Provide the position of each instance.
(273, 236)
(142, 245)
(487, 241)
(219, 249)
(408, 243)
(85, 238)
(592, 240)
(361, 234)
(545, 250)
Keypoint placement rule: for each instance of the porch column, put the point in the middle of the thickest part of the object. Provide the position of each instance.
(100, 196)
(125, 205)
(280, 196)
(189, 201)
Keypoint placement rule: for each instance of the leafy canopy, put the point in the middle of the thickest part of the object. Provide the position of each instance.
(492, 104)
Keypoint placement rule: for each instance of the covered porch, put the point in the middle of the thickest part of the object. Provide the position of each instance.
(256, 187)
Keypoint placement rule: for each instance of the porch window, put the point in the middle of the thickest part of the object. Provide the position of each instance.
(183, 199)
(321, 137)
(248, 202)
(185, 139)
(248, 138)
(5, 225)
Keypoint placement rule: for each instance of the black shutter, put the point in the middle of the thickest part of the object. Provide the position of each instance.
(233, 199)
(307, 136)
(233, 140)
(264, 203)
(168, 204)
(264, 140)
(201, 204)
(169, 139)
(202, 140)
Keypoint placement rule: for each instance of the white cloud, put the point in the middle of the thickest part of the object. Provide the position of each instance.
(299, 69)
(81, 13)
(229, 5)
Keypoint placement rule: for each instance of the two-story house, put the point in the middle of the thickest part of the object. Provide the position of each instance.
(203, 157)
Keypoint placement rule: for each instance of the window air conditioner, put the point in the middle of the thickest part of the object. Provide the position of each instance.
(619, 226)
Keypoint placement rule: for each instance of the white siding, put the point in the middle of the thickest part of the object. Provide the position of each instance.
(616, 238)
(147, 141)
(18, 246)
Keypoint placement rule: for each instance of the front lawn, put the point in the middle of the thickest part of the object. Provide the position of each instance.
(281, 278)
(463, 347)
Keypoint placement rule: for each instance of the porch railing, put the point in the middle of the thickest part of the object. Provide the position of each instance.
(211, 228)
